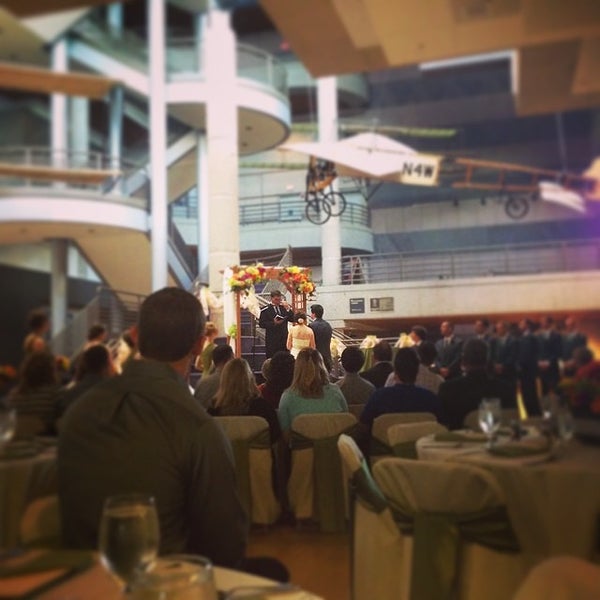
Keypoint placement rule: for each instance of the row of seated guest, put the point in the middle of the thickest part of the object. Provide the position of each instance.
(39, 398)
(238, 395)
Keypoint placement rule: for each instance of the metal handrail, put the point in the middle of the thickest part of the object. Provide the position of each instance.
(489, 261)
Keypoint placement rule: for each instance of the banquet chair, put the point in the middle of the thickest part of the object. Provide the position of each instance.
(464, 546)
(316, 488)
(40, 523)
(378, 549)
(250, 440)
(402, 437)
(561, 578)
(380, 443)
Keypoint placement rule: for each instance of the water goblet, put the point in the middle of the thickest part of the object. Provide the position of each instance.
(129, 535)
(176, 577)
(8, 424)
(490, 416)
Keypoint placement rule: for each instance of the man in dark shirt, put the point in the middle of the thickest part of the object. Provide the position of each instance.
(462, 395)
(144, 432)
(404, 396)
(382, 364)
(274, 319)
(323, 332)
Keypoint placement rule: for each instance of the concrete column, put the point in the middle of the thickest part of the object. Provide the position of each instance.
(58, 285)
(222, 145)
(115, 127)
(114, 18)
(58, 106)
(203, 209)
(80, 130)
(158, 143)
(331, 252)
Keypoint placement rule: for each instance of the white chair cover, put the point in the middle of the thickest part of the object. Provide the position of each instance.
(301, 484)
(403, 434)
(561, 578)
(447, 488)
(249, 436)
(379, 432)
(379, 568)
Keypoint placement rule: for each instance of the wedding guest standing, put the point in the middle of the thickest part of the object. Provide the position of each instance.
(527, 365)
(38, 325)
(571, 340)
(449, 349)
(274, 319)
(505, 353)
(323, 334)
(550, 352)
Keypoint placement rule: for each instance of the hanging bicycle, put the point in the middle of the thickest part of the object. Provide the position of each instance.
(322, 201)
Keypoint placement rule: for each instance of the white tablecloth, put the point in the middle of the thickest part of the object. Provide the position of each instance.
(21, 481)
(554, 504)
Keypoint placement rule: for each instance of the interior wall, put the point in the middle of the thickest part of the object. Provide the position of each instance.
(24, 291)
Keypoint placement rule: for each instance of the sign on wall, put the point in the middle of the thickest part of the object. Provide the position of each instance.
(382, 304)
(357, 305)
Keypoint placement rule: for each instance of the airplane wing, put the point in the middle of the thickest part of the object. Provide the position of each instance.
(374, 156)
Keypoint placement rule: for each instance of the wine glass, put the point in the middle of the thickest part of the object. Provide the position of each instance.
(8, 424)
(176, 577)
(129, 535)
(490, 416)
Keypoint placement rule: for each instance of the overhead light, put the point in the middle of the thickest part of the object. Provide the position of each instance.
(466, 61)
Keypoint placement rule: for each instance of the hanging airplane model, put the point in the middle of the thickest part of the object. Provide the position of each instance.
(372, 156)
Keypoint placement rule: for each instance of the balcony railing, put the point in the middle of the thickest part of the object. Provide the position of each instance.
(489, 261)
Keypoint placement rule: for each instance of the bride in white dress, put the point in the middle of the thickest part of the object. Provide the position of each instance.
(300, 335)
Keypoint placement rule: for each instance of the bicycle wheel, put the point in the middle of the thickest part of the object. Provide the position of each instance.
(317, 210)
(336, 202)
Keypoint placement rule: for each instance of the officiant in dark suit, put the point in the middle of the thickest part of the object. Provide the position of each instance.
(274, 319)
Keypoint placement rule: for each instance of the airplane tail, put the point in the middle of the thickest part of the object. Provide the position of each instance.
(552, 192)
(593, 172)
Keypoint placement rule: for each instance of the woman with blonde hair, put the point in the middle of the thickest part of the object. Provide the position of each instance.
(310, 391)
(204, 359)
(239, 396)
(300, 335)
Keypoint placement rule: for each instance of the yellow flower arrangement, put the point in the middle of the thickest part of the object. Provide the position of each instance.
(298, 279)
(245, 278)
(7, 373)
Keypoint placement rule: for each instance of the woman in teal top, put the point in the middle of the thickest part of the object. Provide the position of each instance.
(310, 391)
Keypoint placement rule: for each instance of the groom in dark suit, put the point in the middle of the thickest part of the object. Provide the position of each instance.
(274, 319)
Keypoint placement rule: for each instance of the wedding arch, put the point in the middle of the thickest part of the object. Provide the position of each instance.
(243, 279)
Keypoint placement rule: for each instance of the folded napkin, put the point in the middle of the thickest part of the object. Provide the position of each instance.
(36, 561)
(458, 436)
(521, 448)
(26, 576)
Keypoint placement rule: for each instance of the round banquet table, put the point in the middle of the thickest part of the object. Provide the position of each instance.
(22, 479)
(553, 500)
(97, 584)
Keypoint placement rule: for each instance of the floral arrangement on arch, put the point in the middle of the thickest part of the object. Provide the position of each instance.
(298, 279)
(582, 391)
(7, 373)
(245, 278)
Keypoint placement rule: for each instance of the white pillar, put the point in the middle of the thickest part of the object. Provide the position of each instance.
(331, 251)
(79, 137)
(222, 145)
(115, 126)
(58, 285)
(58, 106)
(158, 142)
(114, 18)
(203, 208)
